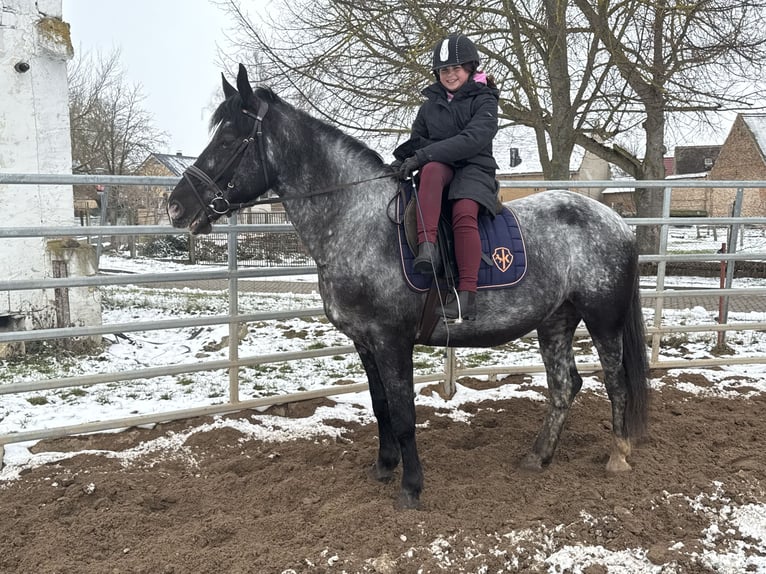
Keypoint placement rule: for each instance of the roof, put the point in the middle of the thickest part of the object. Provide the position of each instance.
(695, 158)
(698, 175)
(635, 183)
(756, 123)
(175, 163)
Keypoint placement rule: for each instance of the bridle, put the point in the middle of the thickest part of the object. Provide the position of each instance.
(220, 205)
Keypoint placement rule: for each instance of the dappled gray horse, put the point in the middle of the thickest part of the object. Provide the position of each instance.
(581, 258)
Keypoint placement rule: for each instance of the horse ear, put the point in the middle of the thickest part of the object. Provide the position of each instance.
(243, 85)
(228, 89)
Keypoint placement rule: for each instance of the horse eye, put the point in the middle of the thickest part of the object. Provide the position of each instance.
(228, 138)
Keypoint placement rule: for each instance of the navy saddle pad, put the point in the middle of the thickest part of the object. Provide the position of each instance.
(504, 256)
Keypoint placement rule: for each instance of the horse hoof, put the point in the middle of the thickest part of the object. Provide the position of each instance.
(379, 475)
(617, 465)
(407, 501)
(531, 463)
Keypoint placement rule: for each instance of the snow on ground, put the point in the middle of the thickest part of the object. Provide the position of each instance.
(135, 303)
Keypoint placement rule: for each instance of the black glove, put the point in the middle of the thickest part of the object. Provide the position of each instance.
(395, 165)
(408, 166)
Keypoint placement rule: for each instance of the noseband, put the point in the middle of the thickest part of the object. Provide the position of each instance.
(220, 205)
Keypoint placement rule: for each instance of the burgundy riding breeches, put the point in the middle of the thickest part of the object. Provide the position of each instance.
(434, 177)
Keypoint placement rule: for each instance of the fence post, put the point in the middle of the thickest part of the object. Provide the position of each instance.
(104, 193)
(659, 302)
(723, 312)
(192, 249)
(450, 368)
(231, 243)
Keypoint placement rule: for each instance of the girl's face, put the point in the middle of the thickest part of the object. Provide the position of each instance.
(453, 77)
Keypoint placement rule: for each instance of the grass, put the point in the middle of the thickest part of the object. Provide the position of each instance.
(422, 364)
(72, 393)
(38, 400)
(477, 359)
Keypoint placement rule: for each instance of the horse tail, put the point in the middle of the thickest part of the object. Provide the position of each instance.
(636, 367)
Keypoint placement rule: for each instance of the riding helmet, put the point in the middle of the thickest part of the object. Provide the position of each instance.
(454, 50)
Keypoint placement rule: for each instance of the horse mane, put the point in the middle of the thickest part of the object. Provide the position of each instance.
(230, 109)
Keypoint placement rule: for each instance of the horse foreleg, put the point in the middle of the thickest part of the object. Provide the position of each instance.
(564, 382)
(388, 446)
(394, 365)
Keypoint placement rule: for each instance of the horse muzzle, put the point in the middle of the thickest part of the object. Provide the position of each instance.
(198, 224)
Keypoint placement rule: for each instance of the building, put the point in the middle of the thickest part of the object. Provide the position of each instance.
(34, 48)
(742, 157)
(517, 157)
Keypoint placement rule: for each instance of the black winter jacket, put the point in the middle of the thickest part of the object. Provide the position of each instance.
(458, 133)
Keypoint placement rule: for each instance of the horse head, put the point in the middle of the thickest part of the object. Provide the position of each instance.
(233, 168)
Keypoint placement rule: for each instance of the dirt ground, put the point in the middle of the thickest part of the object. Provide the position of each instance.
(307, 506)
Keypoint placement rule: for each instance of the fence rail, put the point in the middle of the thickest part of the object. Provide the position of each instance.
(232, 276)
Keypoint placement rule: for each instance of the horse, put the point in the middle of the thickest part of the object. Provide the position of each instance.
(582, 264)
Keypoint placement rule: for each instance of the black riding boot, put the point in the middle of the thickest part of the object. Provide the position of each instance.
(427, 259)
(467, 300)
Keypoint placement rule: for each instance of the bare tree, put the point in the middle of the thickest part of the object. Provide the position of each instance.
(578, 72)
(112, 133)
(362, 63)
(675, 59)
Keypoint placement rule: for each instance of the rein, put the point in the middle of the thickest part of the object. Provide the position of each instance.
(236, 206)
(220, 205)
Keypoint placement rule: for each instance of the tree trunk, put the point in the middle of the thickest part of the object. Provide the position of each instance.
(561, 123)
(649, 200)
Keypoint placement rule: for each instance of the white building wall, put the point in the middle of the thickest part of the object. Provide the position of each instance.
(34, 138)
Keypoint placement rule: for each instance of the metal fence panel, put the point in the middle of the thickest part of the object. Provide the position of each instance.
(255, 240)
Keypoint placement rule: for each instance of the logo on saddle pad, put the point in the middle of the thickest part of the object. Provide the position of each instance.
(503, 258)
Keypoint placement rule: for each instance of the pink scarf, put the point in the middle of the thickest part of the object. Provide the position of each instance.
(479, 77)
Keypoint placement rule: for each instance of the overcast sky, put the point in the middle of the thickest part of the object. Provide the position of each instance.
(169, 47)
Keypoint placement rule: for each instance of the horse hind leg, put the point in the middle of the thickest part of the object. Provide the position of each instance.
(555, 337)
(611, 352)
(620, 341)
